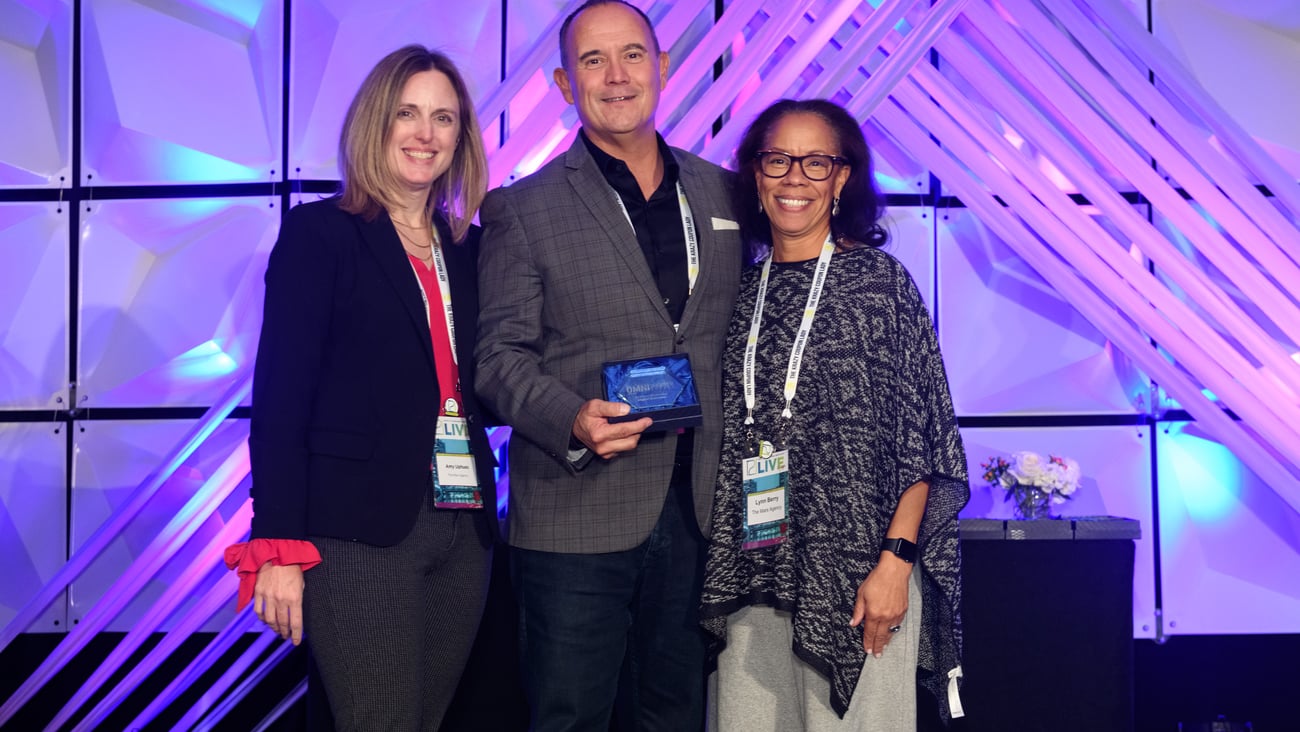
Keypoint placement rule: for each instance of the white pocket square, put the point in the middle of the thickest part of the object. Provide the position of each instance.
(724, 224)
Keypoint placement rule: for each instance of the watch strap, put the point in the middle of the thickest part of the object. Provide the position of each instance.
(905, 549)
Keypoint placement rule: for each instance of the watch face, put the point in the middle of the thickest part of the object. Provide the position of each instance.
(905, 549)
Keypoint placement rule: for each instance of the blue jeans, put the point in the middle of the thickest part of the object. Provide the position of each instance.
(616, 633)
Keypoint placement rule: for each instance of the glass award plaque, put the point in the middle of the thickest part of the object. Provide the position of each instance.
(659, 387)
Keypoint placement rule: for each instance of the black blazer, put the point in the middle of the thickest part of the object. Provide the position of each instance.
(345, 396)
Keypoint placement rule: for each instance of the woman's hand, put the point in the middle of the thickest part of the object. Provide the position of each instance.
(881, 602)
(277, 599)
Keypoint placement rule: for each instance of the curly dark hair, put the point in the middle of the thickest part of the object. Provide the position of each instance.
(861, 205)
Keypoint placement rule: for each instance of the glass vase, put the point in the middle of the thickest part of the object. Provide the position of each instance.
(1032, 503)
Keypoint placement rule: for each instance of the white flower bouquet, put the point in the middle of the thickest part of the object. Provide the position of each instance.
(1035, 483)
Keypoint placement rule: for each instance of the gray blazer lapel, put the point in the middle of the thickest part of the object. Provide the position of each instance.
(590, 187)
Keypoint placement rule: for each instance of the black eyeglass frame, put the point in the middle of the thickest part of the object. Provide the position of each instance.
(835, 160)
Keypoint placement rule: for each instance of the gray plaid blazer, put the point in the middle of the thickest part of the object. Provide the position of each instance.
(564, 287)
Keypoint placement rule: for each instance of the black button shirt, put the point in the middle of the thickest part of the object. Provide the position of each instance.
(657, 222)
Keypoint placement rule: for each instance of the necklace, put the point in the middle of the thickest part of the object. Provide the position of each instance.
(410, 239)
(411, 227)
(422, 252)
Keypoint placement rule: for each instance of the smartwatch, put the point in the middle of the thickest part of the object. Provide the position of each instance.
(905, 549)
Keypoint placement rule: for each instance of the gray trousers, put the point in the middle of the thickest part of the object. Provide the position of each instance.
(391, 628)
(761, 685)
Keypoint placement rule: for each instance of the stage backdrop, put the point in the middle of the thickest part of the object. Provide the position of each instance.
(148, 151)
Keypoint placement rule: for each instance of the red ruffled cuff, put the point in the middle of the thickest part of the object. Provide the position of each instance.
(248, 557)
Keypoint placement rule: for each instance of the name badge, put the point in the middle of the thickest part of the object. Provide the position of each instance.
(455, 480)
(765, 479)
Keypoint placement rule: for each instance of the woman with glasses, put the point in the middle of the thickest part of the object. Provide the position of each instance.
(832, 587)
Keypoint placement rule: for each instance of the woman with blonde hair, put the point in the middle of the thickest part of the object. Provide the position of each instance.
(374, 509)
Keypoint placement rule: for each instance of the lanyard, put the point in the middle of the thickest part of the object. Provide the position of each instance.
(688, 230)
(444, 293)
(800, 338)
(444, 289)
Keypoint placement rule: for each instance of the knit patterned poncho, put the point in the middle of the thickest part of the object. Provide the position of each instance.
(871, 417)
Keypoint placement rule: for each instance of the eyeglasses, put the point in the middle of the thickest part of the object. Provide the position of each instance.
(776, 164)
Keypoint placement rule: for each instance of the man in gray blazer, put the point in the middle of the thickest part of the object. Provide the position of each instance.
(620, 248)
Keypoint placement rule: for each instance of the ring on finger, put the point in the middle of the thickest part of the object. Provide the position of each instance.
(895, 628)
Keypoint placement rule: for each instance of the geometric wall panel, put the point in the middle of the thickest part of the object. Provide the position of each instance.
(1230, 546)
(1240, 298)
(1012, 343)
(171, 298)
(1138, 8)
(896, 170)
(1245, 55)
(33, 510)
(823, 49)
(524, 20)
(973, 93)
(911, 241)
(35, 64)
(335, 44)
(1116, 467)
(111, 460)
(538, 114)
(33, 305)
(185, 91)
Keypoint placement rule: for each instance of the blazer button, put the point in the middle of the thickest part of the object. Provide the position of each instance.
(681, 340)
(470, 419)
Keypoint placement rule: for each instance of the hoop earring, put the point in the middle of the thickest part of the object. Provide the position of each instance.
(835, 207)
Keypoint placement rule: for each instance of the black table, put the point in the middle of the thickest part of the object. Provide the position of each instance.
(1048, 618)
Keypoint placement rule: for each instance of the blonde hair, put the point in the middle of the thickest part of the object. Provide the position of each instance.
(369, 184)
